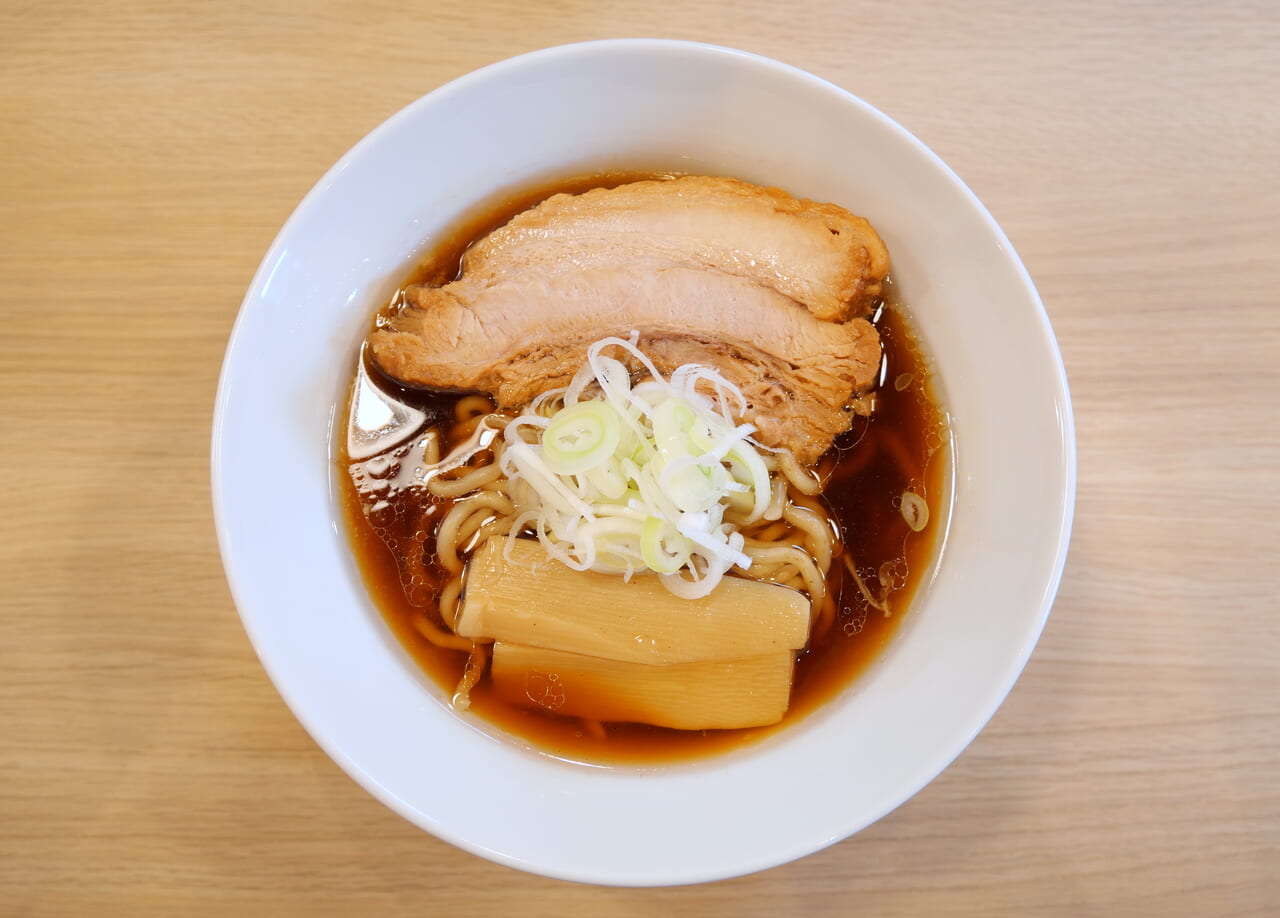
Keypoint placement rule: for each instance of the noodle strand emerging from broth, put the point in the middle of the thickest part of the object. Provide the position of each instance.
(456, 526)
(472, 480)
(881, 604)
(477, 662)
(449, 601)
(438, 636)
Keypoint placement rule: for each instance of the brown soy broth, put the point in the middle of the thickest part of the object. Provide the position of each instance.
(900, 448)
(444, 262)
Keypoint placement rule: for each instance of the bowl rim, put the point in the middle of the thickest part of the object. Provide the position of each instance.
(461, 84)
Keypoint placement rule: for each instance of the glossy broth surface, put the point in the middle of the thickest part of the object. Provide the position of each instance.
(900, 448)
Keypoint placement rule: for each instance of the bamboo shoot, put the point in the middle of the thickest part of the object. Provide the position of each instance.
(720, 694)
(535, 601)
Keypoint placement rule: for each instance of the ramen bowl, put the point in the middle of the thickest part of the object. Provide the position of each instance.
(625, 105)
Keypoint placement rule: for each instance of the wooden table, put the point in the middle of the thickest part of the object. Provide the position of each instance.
(150, 151)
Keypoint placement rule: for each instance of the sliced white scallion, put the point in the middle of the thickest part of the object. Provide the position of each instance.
(915, 511)
(580, 438)
(639, 477)
(663, 551)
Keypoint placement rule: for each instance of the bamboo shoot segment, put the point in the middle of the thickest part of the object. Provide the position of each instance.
(720, 694)
(535, 601)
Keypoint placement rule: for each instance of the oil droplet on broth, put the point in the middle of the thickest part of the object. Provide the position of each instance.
(853, 625)
(545, 690)
(893, 574)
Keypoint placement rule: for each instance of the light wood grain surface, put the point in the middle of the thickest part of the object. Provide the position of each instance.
(149, 151)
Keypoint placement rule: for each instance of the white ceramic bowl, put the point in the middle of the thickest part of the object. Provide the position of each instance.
(694, 108)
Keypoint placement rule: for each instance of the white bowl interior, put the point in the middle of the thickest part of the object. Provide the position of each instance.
(700, 109)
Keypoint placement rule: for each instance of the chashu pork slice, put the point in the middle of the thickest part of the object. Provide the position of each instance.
(519, 332)
(819, 255)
